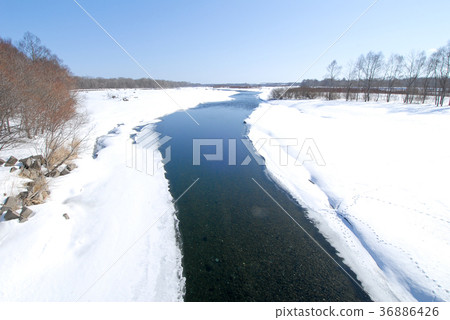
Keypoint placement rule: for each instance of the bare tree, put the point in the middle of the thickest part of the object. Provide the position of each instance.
(350, 79)
(442, 72)
(428, 72)
(32, 47)
(359, 65)
(276, 94)
(36, 97)
(433, 63)
(333, 71)
(12, 74)
(414, 64)
(393, 72)
(370, 66)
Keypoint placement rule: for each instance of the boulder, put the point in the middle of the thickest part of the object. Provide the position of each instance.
(66, 216)
(11, 214)
(36, 165)
(25, 214)
(64, 172)
(27, 162)
(52, 174)
(13, 169)
(2, 162)
(71, 166)
(40, 158)
(10, 203)
(10, 162)
(23, 195)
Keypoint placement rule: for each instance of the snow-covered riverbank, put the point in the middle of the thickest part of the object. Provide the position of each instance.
(381, 197)
(120, 241)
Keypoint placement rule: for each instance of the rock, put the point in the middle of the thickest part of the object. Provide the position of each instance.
(125, 99)
(66, 216)
(26, 162)
(10, 215)
(53, 174)
(33, 162)
(40, 158)
(13, 169)
(64, 172)
(23, 195)
(2, 162)
(71, 166)
(11, 161)
(25, 214)
(10, 203)
(30, 173)
(36, 165)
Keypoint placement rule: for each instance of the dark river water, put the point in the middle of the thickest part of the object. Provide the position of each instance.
(237, 244)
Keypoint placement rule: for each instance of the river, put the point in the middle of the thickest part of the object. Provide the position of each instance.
(237, 244)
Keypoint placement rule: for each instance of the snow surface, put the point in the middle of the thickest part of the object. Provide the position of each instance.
(381, 197)
(120, 241)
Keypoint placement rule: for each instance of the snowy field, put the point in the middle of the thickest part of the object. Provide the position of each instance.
(381, 196)
(120, 241)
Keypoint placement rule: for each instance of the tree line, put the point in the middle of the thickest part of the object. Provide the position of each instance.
(37, 101)
(119, 83)
(372, 77)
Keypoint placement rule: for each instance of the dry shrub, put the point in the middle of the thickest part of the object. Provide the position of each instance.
(37, 191)
(63, 154)
(65, 142)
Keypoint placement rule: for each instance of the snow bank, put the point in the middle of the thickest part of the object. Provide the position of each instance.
(381, 197)
(120, 241)
(265, 92)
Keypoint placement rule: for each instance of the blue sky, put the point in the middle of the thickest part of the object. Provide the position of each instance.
(223, 41)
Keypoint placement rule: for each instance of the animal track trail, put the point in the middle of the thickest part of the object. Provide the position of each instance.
(342, 212)
(406, 207)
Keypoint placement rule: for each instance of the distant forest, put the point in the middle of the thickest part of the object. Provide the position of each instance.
(119, 83)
